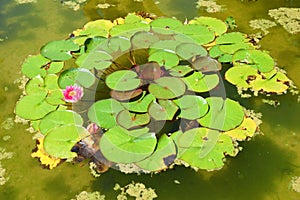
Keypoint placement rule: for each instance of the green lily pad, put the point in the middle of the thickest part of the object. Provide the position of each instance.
(54, 67)
(198, 33)
(217, 25)
(115, 44)
(167, 88)
(125, 95)
(94, 43)
(123, 80)
(59, 141)
(130, 120)
(164, 45)
(132, 18)
(36, 86)
(191, 107)
(128, 30)
(104, 112)
(79, 76)
(223, 114)
(278, 83)
(163, 156)
(165, 25)
(164, 58)
(141, 105)
(122, 146)
(34, 65)
(59, 50)
(226, 58)
(239, 75)
(143, 40)
(204, 148)
(190, 50)
(198, 82)
(246, 129)
(232, 42)
(55, 97)
(94, 59)
(215, 51)
(59, 118)
(96, 28)
(206, 64)
(163, 110)
(33, 107)
(255, 58)
(180, 70)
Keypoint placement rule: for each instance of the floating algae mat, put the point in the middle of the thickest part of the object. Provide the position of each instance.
(144, 92)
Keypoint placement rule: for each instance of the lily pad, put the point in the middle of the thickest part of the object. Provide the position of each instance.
(96, 28)
(36, 86)
(164, 45)
(278, 83)
(163, 156)
(128, 30)
(240, 75)
(94, 43)
(167, 88)
(143, 39)
(54, 67)
(122, 146)
(34, 65)
(206, 64)
(217, 25)
(198, 33)
(246, 129)
(125, 95)
(33, 107)
(192, 107)
(255, 58)
(198, 82)
(204, 148)
(232, 42)
(94, 59)
(55, 97)
(59, 141)
(59, 118)
(163, 110)
(123, 80)
(104, 112)
(130, 120)
(59, 50)
(180, 70)
(140, 105)
(190, 50)
(223, 114)
(115, 44)
(79, 76)
(164, 58)
(165, 25)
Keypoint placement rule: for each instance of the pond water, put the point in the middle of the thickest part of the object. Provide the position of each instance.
(263, 170)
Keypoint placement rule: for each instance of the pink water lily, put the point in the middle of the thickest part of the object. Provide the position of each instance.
(73, 93)
(93, 128)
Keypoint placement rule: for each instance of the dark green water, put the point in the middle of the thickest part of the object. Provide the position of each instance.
(262, 170)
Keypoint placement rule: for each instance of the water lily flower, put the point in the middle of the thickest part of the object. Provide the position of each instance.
(73, 93)
(93, 128)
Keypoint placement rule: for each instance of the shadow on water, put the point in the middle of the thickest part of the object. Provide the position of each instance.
(251, 175)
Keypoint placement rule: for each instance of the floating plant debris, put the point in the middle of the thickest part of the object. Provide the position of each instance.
(25, 1)
(289, 18)
(84, 195)
(4, 155)
(134, 94)
(210, 6)
(137, 190)
(262, 24)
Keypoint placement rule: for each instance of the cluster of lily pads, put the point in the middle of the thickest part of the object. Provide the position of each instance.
(145, 92)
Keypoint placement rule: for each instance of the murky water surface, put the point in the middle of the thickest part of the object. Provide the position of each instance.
(262, 170)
